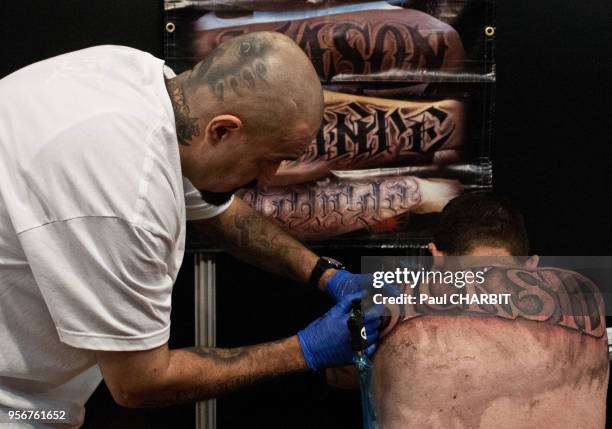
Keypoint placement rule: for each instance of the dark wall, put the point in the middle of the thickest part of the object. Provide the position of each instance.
(552, 149)
(34, 30)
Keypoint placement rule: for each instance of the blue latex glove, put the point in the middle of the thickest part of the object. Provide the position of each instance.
(326, 342)
(343, 283)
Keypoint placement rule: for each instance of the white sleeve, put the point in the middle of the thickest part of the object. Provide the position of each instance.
(196, 208)
(104, 280)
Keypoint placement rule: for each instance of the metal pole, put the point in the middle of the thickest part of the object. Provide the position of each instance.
(205, 328)
(609, 332)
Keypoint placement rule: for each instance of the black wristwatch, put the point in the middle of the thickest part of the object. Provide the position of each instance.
(323, 264)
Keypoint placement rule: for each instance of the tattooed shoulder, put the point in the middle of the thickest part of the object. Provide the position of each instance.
(546, 295)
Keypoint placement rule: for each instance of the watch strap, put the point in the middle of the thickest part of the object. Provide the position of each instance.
(323, 264)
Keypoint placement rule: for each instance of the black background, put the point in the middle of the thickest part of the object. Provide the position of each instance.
(552, 148)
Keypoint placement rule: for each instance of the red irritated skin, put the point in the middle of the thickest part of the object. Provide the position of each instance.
(487, 372)
(499, 366)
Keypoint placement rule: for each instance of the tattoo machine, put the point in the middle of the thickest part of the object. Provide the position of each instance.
(361, 360)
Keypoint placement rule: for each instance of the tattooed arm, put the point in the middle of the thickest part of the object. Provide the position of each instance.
(251, 237)
(317, 211)
(365, 132)
(361, 43)
(160, 376)
(313, 211)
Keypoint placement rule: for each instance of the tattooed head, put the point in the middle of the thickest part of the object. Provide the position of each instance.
(238, 65)
(263, 77)
(253, 102)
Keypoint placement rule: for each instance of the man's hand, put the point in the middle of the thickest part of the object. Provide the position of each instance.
(343, 283)
(160, 376)
(326, 342)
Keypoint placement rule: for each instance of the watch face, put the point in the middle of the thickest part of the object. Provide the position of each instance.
(336, 264)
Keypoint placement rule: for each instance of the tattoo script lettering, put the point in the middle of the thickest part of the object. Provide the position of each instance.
(336, 207)
(363, 48)
(553, 296)
(366, 44)
(356, 132)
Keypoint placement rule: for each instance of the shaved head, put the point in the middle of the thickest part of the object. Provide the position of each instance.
(264, 79)
(252, 103)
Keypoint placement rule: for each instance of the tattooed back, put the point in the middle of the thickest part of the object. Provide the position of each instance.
(540, 361)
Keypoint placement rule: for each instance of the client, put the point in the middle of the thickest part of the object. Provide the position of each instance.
(540, 361)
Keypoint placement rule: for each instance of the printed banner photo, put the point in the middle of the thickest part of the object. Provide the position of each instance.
(408, 108)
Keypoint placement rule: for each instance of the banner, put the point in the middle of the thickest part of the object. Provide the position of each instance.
(409, 101)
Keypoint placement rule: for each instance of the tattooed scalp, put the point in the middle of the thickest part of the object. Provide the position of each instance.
(238, 65)
(247, 77)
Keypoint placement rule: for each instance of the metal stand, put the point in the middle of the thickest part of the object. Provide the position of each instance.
(609, 332)
(205, 329)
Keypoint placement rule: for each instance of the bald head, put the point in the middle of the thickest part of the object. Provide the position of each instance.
(264, 79)
(253, 102)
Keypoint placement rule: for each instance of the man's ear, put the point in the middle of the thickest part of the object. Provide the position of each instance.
(533, 262)
(434, 250)
(438, 256)
(221, 127)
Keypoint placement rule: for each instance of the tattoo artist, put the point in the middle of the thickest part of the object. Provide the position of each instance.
(94, 195)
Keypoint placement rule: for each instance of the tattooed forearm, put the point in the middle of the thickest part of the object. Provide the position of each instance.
(359, 43)
(363, 132)
(317, 211)
(252, 238)
(186, 126)
(548, 295)
(196, 374)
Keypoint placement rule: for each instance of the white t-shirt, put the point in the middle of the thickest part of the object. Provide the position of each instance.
(92, 222)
